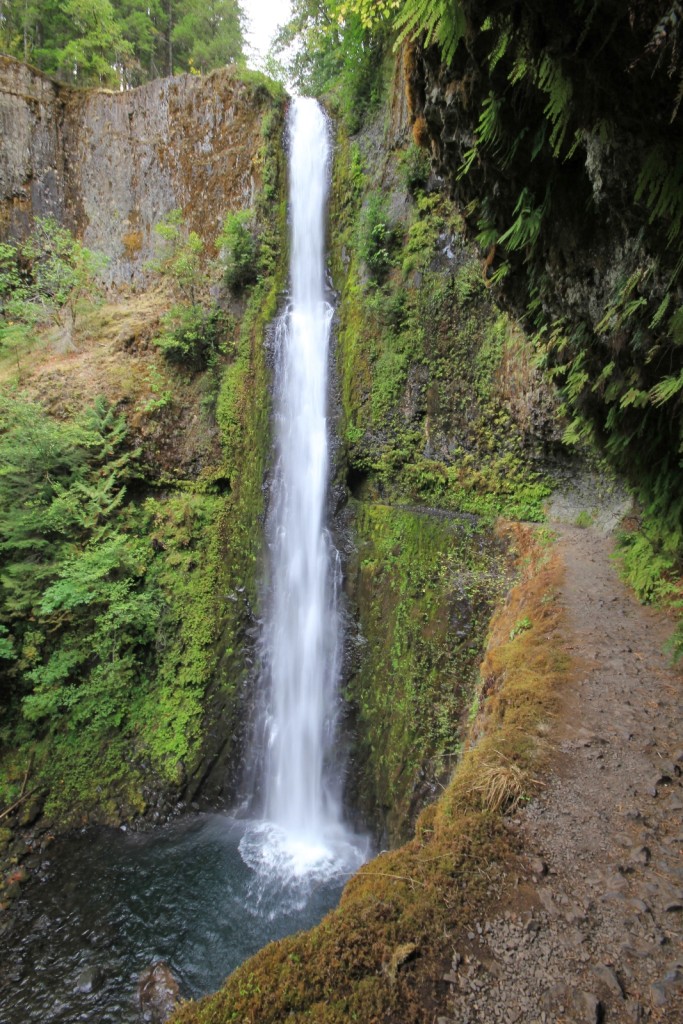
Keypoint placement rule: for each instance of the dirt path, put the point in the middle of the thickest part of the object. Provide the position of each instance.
(595, 931)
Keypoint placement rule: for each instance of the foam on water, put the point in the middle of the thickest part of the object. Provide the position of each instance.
(288, 869)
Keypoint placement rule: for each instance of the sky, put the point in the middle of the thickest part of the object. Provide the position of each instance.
(264, 18)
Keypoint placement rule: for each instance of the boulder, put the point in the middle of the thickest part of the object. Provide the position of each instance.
(158, 993)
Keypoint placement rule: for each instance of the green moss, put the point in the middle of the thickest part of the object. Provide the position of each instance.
(437, 383)
(424, 587)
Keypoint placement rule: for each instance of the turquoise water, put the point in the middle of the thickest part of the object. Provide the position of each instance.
(114, 902)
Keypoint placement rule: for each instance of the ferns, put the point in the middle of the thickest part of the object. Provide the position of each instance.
(660, 185)
(525, 229)
(666, 389)
(558, 108)
(440, 21)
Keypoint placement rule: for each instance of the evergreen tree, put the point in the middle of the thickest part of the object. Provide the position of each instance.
(207, 34)
(121, 41)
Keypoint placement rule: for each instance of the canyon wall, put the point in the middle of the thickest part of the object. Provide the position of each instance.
(110, 165)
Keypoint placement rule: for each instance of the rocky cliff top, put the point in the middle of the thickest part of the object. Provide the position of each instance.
(110, 165)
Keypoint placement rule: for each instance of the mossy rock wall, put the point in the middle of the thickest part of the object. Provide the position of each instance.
(560, 131)
(445, 425)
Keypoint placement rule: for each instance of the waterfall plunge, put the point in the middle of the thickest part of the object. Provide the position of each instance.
(303, 833)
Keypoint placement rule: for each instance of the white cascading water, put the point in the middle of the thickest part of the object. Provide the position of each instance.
(303, 832)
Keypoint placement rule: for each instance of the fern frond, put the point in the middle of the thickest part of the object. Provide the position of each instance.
(665, 389)
(440, 21)
(660, 185)
(661, 311)
(558, 108)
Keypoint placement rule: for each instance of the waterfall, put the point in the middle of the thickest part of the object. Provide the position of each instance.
(303, 827)
(302, 628)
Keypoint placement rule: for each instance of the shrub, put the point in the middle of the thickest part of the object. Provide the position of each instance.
(415, 168)
(194, 335)
(377, 237)
(238, 250)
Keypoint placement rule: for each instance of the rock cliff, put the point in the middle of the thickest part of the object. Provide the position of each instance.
(110, 165)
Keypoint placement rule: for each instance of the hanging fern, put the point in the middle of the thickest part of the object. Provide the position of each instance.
(439, 21)
(665, 390)
(559, 106)
(660, 185)
(525, 229)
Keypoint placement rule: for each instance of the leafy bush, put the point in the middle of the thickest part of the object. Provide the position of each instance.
(195, 335)
(238, 250)
(48, 279)
(377, 237)
(415, 167)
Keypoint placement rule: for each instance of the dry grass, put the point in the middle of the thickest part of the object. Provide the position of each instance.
(503, 784)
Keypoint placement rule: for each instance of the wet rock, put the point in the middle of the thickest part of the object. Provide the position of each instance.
(89, 980)
(158, 993)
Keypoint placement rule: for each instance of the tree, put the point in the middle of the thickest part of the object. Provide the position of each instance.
(143, 25)
(208, 34)
(237, 250)
(75, 617)
(195, 329)
(121, 41)
(98, 53)
(46, 279)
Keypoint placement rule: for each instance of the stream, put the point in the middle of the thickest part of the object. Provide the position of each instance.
(114, 902)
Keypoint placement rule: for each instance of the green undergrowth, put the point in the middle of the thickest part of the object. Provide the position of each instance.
(424, 586)
(649, 558)
(129, 575)
(379, 954)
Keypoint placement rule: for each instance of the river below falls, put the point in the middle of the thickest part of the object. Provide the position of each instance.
(111, 903)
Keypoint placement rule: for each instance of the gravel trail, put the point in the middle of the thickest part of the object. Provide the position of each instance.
(594, 930)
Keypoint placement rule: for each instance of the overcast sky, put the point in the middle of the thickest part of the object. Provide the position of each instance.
(264, 18)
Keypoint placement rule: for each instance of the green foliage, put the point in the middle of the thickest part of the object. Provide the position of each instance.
(207, 34)
(520, 626)
(194, 336)
(195, 328)
(415, 167)
(48, 279)
(377, 236)
(238, 251)
(73, 605)
(440, 21)
(525, 228)
(339, 54)
(122, 42)
(97, 45)
(584, 519)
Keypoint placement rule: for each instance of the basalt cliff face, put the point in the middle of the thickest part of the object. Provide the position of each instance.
(110, 165)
